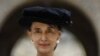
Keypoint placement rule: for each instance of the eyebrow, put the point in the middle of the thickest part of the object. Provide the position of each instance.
(36, 29)
(52, 26)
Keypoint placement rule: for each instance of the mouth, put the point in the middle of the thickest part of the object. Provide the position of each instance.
(44, 45)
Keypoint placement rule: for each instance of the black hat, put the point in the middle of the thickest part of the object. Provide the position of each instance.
(50, 15)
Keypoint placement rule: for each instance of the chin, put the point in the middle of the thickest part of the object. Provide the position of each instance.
(44, 50)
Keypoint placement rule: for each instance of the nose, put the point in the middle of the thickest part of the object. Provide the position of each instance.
(44, 37)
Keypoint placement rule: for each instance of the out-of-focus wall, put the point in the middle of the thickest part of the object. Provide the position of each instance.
(90, 7)
(7, 6)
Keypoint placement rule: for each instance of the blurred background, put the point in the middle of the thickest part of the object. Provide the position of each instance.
(80, 39)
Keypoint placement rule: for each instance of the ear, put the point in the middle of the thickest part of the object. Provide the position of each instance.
(59, 35)
(29, 34)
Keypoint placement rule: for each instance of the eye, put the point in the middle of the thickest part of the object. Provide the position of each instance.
(37, 30)
(51, 31)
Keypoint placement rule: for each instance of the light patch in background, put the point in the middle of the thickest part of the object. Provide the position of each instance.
(68, 46)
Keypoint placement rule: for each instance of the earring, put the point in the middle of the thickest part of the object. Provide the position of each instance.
(58, 41)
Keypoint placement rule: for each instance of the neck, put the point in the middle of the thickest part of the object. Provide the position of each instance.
(45, 54)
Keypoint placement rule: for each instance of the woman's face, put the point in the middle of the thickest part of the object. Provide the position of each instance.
(44, 36)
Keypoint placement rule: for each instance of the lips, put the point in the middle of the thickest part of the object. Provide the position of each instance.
(43, 45)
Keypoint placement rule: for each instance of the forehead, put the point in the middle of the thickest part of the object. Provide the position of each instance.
(40, 24)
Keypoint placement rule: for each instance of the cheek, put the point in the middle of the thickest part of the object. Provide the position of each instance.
(53, 44)
(35, 38)
(53, 40)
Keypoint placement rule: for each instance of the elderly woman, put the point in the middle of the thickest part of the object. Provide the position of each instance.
(44, 25)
